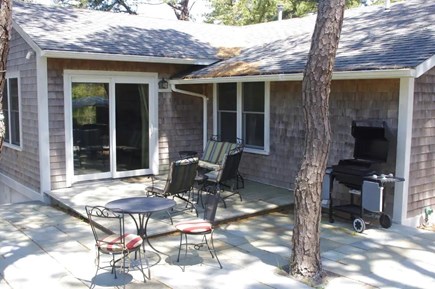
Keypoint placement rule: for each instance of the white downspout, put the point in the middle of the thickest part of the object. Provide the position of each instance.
(204, 105)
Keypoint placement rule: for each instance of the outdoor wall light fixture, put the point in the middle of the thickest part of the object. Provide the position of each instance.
(29, 54)
(163, 84)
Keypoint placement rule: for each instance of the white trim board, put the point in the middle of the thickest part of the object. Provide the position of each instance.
(22, 189)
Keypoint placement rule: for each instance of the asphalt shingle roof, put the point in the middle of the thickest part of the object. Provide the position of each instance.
(88, 31)
(372, 38)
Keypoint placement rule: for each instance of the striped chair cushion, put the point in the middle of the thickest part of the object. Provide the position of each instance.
(215, 152)
(209, 166)
(194, 227)
(225, 148)
(211, 150)
(112, 243)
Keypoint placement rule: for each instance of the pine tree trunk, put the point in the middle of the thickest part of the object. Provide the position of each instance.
(305, 259)
(5, 32)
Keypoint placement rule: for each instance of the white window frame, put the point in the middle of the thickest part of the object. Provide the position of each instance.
(266, 148)
(9, 143)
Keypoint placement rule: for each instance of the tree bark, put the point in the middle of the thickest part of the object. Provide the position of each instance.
(181, 9)
(305, 260)
(5, 35)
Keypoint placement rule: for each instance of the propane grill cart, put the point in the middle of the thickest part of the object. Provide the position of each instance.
(371, 201)
(359, 175)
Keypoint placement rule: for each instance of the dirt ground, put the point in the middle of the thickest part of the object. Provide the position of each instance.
(429, 227)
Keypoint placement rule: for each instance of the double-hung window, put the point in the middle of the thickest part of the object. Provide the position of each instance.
(11, 111)
(242, 111)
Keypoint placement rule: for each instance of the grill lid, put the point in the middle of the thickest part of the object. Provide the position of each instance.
(371, 142)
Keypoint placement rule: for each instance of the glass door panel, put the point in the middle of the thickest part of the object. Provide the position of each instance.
(132, 126)
(90, 118)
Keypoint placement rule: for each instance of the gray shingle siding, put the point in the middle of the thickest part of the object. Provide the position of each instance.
(422, 167)
(23, 166)
(349, 100)
(56, 125)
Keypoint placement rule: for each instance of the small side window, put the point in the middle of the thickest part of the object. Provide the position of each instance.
(11, 112)
(243, 112)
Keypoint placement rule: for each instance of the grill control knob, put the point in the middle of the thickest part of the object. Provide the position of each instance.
(375, 176)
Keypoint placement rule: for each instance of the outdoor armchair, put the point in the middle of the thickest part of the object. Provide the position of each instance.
(179, 182)
(204, 227)
(226, 177)
(111, 239)
(214, 154)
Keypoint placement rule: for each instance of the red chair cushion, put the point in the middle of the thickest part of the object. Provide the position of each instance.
(194, 227)
(112, 243)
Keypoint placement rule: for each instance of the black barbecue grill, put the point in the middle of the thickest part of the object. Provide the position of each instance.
(359, 174)
(371, 147)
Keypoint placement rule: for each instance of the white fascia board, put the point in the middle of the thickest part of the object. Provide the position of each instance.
(250, 78)
(425, 66)
(374, 74)
(129, 58)
(340, 75)
(27, 38)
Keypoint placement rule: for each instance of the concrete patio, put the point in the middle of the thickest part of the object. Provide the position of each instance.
(257, 199)
(44, 247)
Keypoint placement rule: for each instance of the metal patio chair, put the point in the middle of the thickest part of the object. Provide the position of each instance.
(204, 227)
(226, 177)
(179, 182)
(111, 239)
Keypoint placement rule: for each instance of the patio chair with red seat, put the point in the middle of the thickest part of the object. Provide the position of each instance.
(204, 227)
(111, 239)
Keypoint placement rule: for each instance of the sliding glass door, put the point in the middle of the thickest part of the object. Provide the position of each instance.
(111, 120)
(132, 126)
(90, 119)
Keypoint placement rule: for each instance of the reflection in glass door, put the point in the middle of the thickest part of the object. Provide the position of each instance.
(90, 119)
(110, 128)
(132, 126)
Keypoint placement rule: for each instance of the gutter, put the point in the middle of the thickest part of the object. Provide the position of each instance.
(128, 58)
(338, 75)
(204, 109)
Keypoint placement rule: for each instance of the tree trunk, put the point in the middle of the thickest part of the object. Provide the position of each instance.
(305, 260)
(181, 9)
(5, 34)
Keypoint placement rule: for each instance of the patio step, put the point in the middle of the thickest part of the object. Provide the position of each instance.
(258, 199)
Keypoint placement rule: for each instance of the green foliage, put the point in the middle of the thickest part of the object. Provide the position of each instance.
(86, 114)
(180, 7)
(244, 12)
(126, 6)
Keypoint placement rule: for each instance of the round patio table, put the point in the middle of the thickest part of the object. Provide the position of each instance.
(143, 207)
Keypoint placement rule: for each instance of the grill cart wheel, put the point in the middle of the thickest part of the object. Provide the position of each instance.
(359, 225)
(385, 221)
